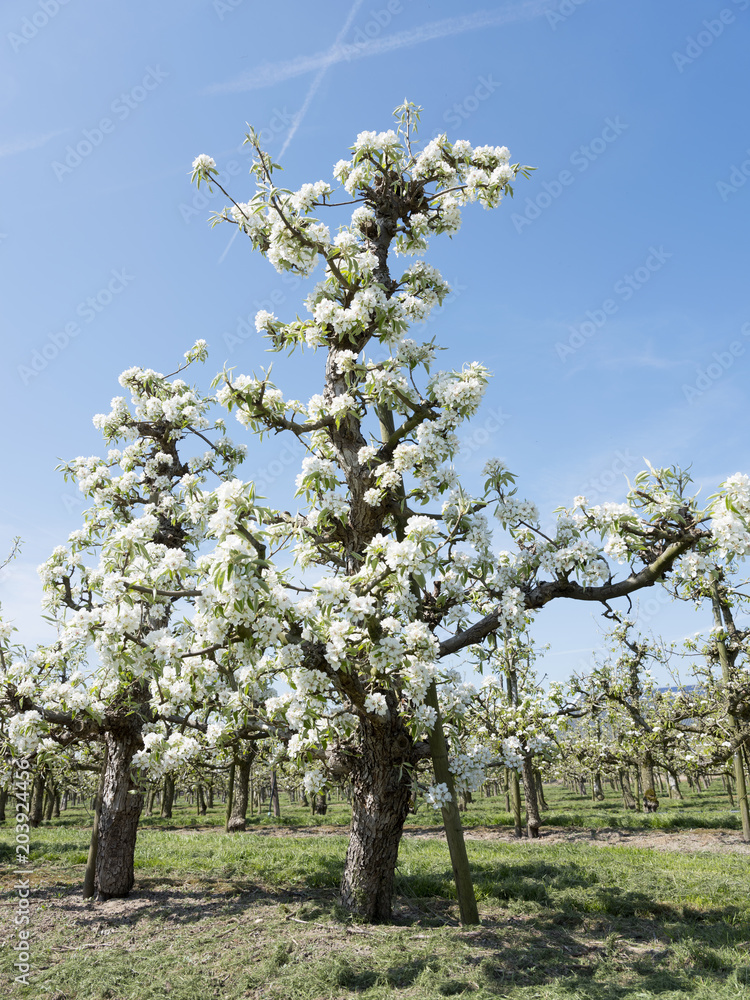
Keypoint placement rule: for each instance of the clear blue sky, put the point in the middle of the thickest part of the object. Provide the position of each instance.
(598, 297)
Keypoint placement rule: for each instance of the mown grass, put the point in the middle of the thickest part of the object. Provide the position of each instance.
(255, 915)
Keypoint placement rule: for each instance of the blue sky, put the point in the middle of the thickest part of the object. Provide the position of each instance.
(608, 298)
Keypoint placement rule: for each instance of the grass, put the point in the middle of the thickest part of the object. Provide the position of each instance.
(257, 915)
(697, 810)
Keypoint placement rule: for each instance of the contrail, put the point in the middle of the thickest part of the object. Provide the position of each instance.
(269, 74)
(319, 78)
(312, 90)
(25, 142)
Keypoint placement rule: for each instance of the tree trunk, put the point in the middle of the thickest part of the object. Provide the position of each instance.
(275, 796)
(3, 802)
(237, 821)
(320, 804)
(540, 792)
(381, 788)
(200, 801)
(515, 795)
(454, 834)
(230, 795)
(37, 800)
(674, 784)
(647, 777)
(210, 801)
(533, 821)
(598, 791)
(49, 801)
(89, 878)
(168, 798)
(122, 801)
(628, 799)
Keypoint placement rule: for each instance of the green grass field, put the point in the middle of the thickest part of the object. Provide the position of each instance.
(255, 914)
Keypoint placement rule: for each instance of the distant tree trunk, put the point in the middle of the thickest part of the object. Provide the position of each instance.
(168, 797)
(674, 784)
(596, 783)
(37, 800)
(275, 796)
(122, 801)
(230, 794)
(3, 802)
(211, 796)
(49, 801)
(533, 820)
(320, 804)
(200, 801)
(515, 794)
(582, 786)
(464, 798)
(150, 799)
(238, 817)
(540, 792)
(628, 799)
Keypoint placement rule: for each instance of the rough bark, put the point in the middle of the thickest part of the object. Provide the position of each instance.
(89, 878)
(381, 789)
(122, 801)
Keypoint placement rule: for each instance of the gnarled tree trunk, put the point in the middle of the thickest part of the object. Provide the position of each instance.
(122, 801)
(381, 790)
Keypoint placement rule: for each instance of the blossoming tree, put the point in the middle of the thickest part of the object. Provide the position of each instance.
(199, 597)
(409, 573)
